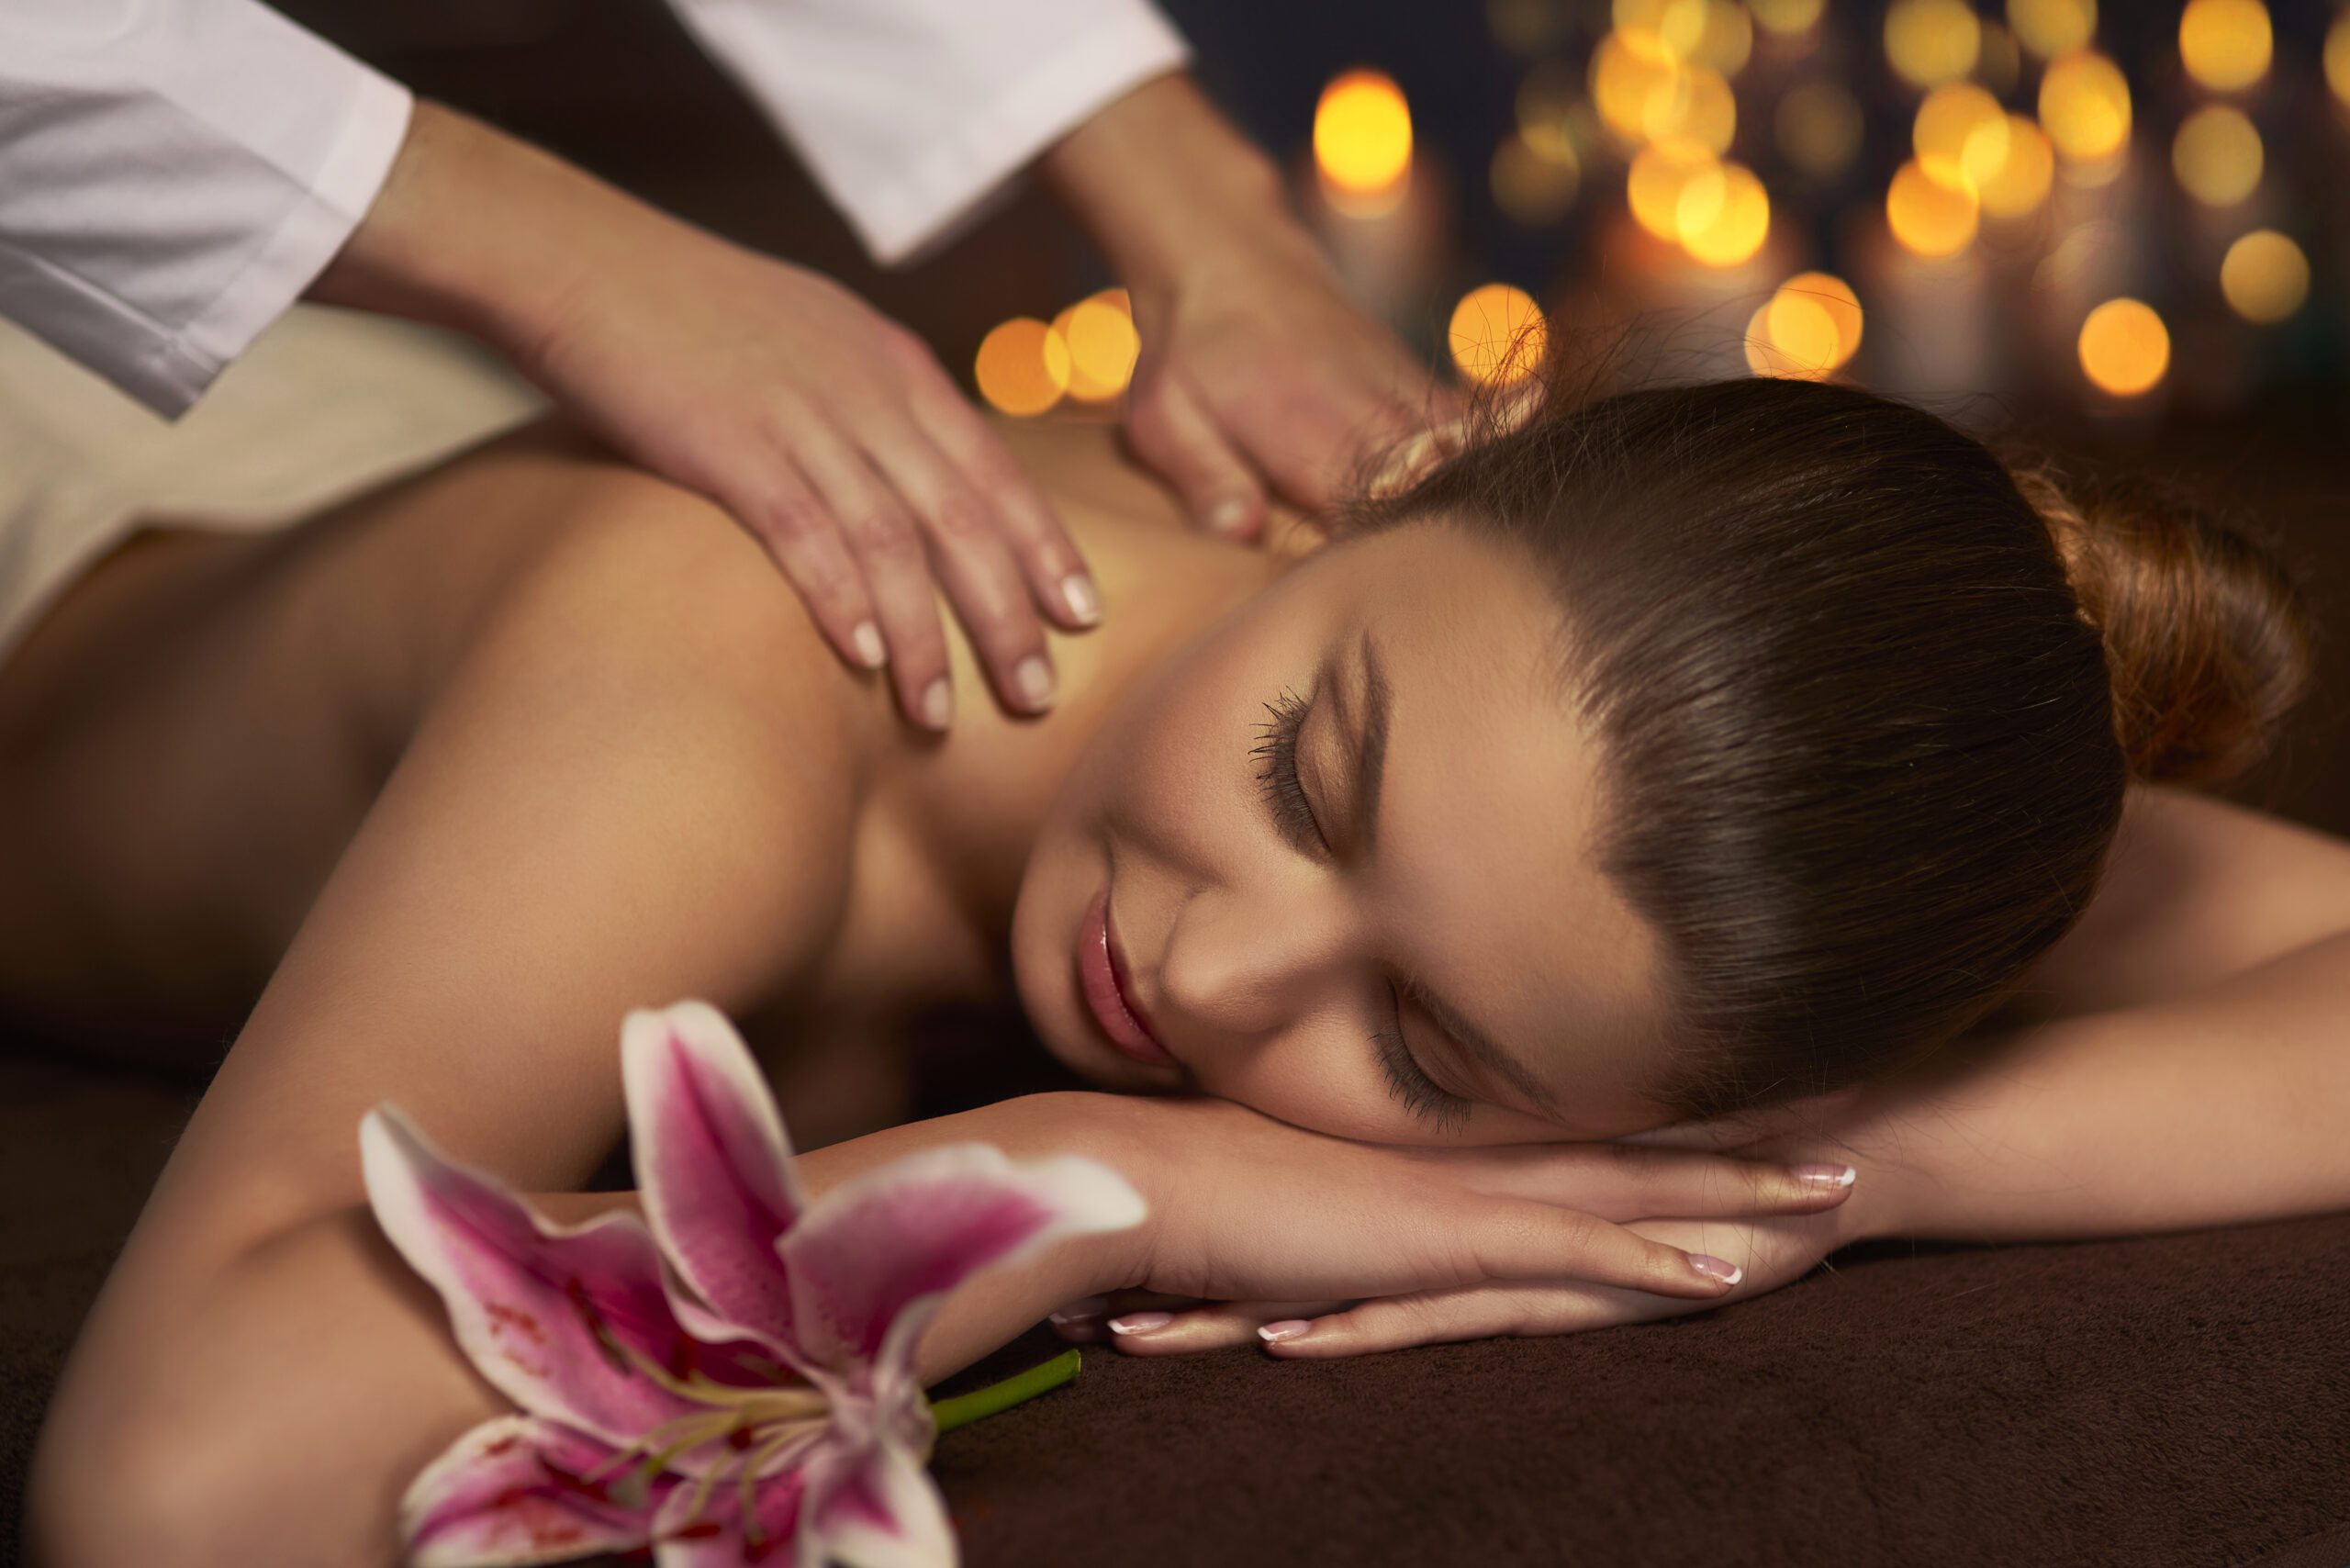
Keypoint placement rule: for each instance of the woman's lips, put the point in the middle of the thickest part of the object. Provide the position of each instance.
(1101, 976)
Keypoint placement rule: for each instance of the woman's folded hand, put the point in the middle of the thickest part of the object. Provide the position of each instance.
(1276, 1225)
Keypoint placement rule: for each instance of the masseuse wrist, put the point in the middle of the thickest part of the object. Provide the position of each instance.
(475, 230)
(1171, 192)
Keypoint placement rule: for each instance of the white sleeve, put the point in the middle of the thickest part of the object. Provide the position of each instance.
(911, 112)
(172, 175)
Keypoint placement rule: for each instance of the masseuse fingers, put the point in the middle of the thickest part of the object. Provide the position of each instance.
(1057, 579)
(1628, 1181)
(1172, 431)
(976, 569)
(1506, 1240)
(804, 537)
(883, 536)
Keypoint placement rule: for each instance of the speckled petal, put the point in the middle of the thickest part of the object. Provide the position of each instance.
(513, 1491)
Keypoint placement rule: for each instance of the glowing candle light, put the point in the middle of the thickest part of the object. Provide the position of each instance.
(1929, 218)
(1698, 105)
(2085, 106)
(1960, 134)
(2027, 164)
(1808, 328)
(1022, 366)
(1724, 215)
(1497, 334)
(1659, 175)
(2124, 347)
(1931, 42)
(1362, 141)
(2264, 276)
(2217, 155)
(2225, 44)
(2050, 27)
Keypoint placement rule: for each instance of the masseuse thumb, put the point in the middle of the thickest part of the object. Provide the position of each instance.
(1172, 431)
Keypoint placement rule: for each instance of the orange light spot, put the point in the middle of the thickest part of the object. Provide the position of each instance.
(2337, 57)
(1362, 135)
(2050, 27)
(2264, 276)
(2020, 181)
(1724, 216)
(1794, 331)
(1497, 334)
(2085, 106)
(1931, 42)
(2225, 44)
(1786, 17)
(1101, 344)
(1623, 83)
(1657, 175)
(1023, 367)
(2124, 347)
(1928, 217)
(1960, 134)
(2217, 155)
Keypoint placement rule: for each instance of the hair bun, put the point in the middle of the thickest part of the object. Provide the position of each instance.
(2207, 640)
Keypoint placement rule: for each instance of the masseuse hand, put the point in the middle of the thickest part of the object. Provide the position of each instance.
(1265, 1218)
(1256, 374)
(829, 433)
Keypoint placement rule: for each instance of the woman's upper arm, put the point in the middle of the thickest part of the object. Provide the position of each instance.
(2197, 890)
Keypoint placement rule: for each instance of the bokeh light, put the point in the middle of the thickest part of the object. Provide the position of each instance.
(1818, 128)
(2124, 347)
(1961, 135)
(2337, 57)
(1100, 337)
(1535, 178)
(1698, 105)
(1362, 136)
(1724, 215)
(1810, 327)
(2224, 44)
(1624, 81)
(1786, 17)
(2050, 27)
(2264, 276)
(1929, 218)
(1654, 186)
(2217, 155)
(1931, 42)
(2027, 166)
(1022, 366)
(1498, 334)
(2085, 106)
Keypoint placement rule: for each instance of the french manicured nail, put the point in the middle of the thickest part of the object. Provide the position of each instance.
(871, 651)
(1228, 517)
(1084, 604)
(1719, 1268)
(1289, 1328)
(1084, 1311)
(1823, 1175)
(1033, 677)
(1141, 1322)
(937, 704)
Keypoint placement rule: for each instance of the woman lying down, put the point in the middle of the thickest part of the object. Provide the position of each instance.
(1715, 755)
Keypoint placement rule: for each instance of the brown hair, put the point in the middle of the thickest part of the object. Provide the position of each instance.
(1869, 700)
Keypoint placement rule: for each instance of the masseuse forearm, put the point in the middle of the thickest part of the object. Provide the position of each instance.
(2225, 1107)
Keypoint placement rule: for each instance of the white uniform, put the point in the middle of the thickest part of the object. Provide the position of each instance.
(174, 172)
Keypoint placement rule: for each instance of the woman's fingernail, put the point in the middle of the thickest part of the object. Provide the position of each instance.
(1141, 1322)
(1716, 1269)
(1084, 1311)
(1289, 1328)
(937, 704)
(1824, 1175)
(1084, 604)
(1033, 677)
(1228, 517)
(870, 649)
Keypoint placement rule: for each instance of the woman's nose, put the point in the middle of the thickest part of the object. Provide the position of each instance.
(1247, 962)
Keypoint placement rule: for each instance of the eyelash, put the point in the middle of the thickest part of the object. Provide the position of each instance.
(1276, 751)
(1408, 1083)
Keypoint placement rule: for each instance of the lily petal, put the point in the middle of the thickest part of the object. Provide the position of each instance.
(708, 1533)
(713, 1164)
(889, 1243)
(544, 1312)
(513, 1491)
(879, 1512)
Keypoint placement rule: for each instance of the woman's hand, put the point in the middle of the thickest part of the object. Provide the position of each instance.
(831, 433)
(1255, 370)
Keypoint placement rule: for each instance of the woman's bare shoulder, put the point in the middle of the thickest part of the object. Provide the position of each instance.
(2197, 890)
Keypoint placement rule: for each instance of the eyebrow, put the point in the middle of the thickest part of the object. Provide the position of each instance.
(1370, 747)
(1485, 1048)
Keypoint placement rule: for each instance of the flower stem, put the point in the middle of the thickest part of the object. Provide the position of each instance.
(966, 1408)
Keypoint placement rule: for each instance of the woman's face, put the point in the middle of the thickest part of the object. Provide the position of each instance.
(1335, 861)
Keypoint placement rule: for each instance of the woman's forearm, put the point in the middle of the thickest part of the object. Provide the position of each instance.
(2219, 1107)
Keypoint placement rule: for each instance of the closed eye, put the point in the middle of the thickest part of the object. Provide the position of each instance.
(1408, 1083)
(1276, 753)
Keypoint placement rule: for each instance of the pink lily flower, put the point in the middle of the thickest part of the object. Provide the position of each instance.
(731, 1378)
